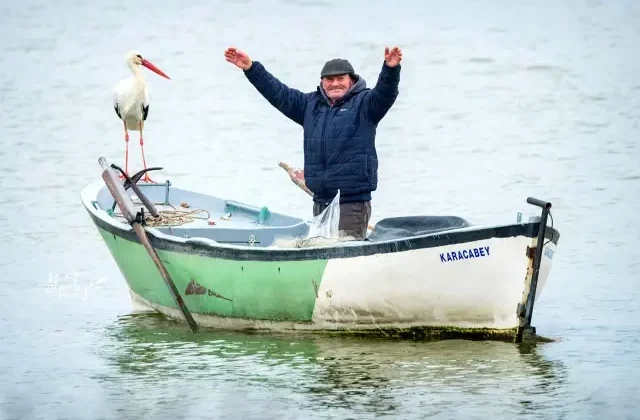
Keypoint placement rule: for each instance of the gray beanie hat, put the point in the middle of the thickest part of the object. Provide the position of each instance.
(337, 66)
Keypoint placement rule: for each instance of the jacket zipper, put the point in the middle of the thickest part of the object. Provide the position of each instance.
(324, 144)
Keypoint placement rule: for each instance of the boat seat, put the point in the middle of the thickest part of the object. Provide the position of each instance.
(407, 226)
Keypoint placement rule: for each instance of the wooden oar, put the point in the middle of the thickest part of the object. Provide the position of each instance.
(297, 177)
(126, 205)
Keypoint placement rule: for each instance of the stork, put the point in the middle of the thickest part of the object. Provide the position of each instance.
(131, 102)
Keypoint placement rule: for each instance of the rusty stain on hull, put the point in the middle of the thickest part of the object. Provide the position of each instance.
(194, 288)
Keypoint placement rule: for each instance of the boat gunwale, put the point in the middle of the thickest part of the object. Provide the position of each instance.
(211, 249)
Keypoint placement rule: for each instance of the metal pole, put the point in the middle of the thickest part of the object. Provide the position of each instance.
(537, 258)
(126, 205)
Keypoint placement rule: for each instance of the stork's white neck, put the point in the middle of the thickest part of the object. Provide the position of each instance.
(135, 69)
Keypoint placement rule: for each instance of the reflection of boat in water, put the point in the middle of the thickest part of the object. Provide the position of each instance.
(328, 373)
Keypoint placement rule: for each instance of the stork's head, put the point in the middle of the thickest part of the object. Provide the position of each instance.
(134, 59)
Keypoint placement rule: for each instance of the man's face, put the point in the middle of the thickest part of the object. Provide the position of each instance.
(336, 86)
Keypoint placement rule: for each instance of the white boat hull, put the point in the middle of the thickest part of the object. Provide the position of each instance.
(427, 286)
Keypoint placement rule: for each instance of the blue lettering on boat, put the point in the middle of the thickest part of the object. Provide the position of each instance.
(465, 254)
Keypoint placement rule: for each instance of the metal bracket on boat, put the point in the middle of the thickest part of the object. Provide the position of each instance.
(525, 311)
(139, 218)
(166, 192)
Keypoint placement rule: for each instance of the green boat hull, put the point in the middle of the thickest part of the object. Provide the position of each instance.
(258, 290)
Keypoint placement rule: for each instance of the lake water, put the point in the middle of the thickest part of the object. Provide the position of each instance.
(498, 101)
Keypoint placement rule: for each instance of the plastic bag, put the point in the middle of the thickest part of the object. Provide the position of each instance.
(325, 225)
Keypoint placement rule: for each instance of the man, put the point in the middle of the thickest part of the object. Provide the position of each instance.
(339, 120)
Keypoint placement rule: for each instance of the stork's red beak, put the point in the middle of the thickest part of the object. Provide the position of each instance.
(154, 69)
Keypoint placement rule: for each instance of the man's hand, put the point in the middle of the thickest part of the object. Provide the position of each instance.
(238, 58)
(392, 57)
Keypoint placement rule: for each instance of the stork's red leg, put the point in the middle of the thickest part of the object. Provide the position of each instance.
(126, 151)
(144, 162)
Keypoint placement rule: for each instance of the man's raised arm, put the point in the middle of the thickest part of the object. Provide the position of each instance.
(291, 102)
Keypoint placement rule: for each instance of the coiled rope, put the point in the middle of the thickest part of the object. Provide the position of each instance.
(175, 217)
(172, 217)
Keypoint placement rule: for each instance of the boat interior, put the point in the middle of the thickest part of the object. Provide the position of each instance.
(188, 214)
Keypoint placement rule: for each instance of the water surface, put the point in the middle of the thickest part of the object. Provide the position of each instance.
(498, 101)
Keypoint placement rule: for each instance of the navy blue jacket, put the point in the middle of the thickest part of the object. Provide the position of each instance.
(339, 140)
